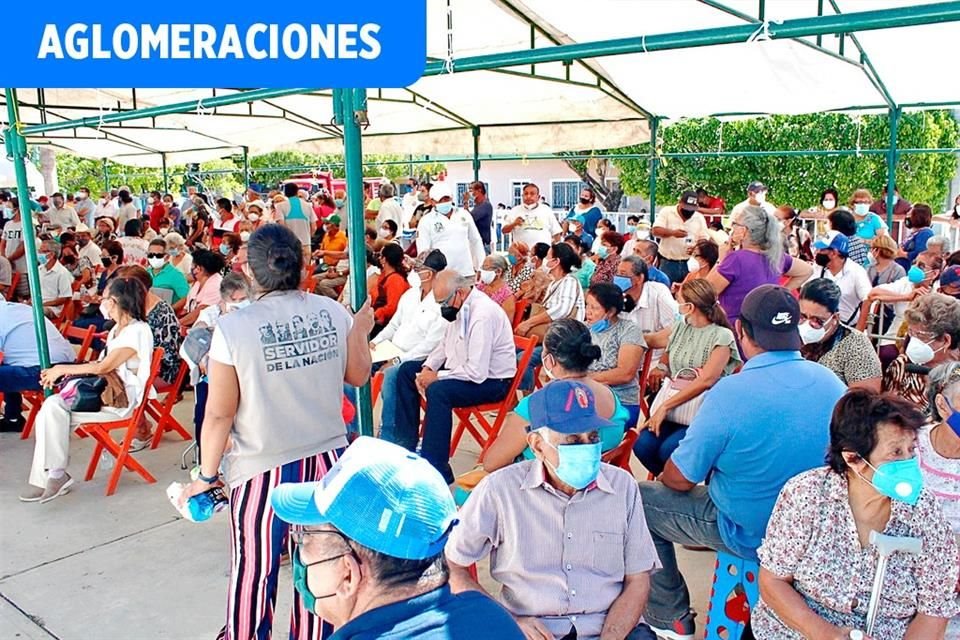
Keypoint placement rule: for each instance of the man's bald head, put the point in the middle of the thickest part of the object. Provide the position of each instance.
(448, 281)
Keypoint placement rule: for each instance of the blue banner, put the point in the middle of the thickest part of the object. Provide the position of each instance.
(203, 43)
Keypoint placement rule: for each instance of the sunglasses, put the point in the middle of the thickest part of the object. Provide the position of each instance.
(156, 255)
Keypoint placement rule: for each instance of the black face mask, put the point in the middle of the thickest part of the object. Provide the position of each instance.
(822, 259)
(449, 312)
(686, 214)
(106, 261)
(584, 200)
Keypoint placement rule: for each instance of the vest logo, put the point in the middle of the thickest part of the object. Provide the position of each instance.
(300, 342)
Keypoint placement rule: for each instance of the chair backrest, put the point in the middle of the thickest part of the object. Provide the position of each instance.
(14, 282)
(155, 363)
(519, 310)
(163, 293)
(526, 345)
(620, 455)
(85, 336)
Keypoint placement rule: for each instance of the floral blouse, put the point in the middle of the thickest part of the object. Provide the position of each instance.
(812, 537)
(606, 269)
(166, 333)
(499, 295)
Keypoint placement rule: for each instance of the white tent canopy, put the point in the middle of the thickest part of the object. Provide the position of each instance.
(8, 179)
(588, 104)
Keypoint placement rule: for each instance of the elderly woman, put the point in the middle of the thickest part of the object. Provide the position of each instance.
(621, 346)
(845, 351)
(700, 348)
(128, 354)
(179, 255)
(518, 255)
(608, 257)
(105, 232)
(883, 268)
(933, 337)
(759, 261)
(493, 283)
(817, 566)
(869, 224)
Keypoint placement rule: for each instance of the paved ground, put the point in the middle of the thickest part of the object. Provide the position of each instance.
(89, 567)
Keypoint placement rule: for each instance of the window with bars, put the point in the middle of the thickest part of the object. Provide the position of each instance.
(566, 193)
(463, 187)
(516, 191)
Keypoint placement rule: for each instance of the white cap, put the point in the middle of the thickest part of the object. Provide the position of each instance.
(439, 191)
(82, 228)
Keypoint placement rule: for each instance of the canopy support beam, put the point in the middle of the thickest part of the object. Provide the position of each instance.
(246, 168)
(869, 69)
(166, 178)
(892, 166)
(654, 165)
(350, 106)
(16, 145)
(476, 154)
(106, 176)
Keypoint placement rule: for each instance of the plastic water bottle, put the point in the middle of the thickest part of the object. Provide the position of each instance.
(106, 461)
(203, 505)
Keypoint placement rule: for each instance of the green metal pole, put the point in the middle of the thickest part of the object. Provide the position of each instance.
(654, 164)
(892, 165)
(476, 154)
(17, 151)
(347, 104)
(166, 178)
(106, 176)
(246, 168)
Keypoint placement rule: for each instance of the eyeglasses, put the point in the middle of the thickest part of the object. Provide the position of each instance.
(156, 255)
(815, 321)
(923, 336)
(299, 537)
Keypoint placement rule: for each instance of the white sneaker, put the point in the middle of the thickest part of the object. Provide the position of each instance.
(138, 445)
(56, 487)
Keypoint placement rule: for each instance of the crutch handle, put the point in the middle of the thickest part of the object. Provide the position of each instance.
(888, 545)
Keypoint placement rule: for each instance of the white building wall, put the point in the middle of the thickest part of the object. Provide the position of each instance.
(499, 175)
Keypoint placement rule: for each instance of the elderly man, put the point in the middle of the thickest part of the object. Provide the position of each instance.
(84, 206)
(532, 221)
(415, 330)
(939, 246)
(731, 442)
(60, 215)
(367, 550)
(20, 369)
(86, 247)
(679, 228)
(390, 209)
(832, 257)
(105, 208)
(653, 306)
(56, 283)
(647, 250)
(451, 230)
(566, 534)
(473, 364)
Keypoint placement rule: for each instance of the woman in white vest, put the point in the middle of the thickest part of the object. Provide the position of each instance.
(276, 372)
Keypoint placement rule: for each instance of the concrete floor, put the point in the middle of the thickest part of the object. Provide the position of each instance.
(89, 567)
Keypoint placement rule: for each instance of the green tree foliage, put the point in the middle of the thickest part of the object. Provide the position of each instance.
(799, 180)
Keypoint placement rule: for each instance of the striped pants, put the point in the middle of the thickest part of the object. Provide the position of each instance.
(257, 539)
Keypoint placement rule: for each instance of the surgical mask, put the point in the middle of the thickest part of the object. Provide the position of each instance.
(896, 199)
(760, 197)
(549, 371)
(239, 304)
(546, 267)
(693, 265)
(104, 310)
(810, 334)
(420, 197)
(579, 463)
(413, 279)
(174, 252)
(42, 259)
(338, 203)
(899, 479)
(253, 217)
(444, 208)
(512, 259)
(915, 275)
(919, 351)
(164, 231)
(861, 208)
(622, 282)
(603, 252)
(7, 213)
(531, 207)
(155, 263)
(487, 276)
(631, 228)
(150, 200)
(600, 325)
(244, 236)
(383, 233)
(829, 204)
(225, 249)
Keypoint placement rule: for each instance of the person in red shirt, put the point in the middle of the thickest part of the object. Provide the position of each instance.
(710, 205)
(158, 213)
(391, 284)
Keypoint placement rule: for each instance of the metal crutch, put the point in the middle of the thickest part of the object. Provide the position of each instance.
(886, 547)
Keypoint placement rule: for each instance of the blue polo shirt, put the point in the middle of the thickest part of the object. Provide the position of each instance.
(756, 430)
(656, 275)
(435, 615)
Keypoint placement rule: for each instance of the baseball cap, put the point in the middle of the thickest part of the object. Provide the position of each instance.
(833, 240)
(756, 186)
(334, 219)
(689, 201)
(439, 191)
(565, 406)
(773, 314)
(435, 260)
(950, 277)
(379, 495)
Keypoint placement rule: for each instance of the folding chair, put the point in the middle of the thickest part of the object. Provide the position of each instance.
(519, 310)
(482, 430)
(14, 282)
(644, 372)
(34, 399)
(100, 431)
(376, 384)
(162, 410)
(620, 455)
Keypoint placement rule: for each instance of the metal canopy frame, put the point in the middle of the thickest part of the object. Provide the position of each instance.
(350, 108)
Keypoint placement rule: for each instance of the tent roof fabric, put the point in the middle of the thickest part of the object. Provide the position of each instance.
(587, 104)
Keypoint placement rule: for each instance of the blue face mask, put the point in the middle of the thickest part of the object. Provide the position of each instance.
(42, 259)
(954, 420)
(300, 581)
(915, 274)
(622, 282)
(900, 480)
(225, 249)
(631, 228)
(579, 463)
(602, 252)
(338, 203)
(512, 259)
(861, 208)
(444, 208)
(600, 326)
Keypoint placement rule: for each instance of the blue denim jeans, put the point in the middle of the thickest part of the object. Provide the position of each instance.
(14, 379)
(527, 382)
(388, 411)
(654, 451)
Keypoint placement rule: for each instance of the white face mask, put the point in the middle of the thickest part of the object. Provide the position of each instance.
(253, 217)
(810, 335)
(150, 200)
(239, 304)
(383, 233)
(693, 265)
(829, 204)
(164, 231)
(487, 276)
(549, 372)
(104, 310)
(155, 263)
(531, 207)
(760, 197)
(244, 236)
(920, 352)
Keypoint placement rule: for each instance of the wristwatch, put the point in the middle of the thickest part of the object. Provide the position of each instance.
(395, 361)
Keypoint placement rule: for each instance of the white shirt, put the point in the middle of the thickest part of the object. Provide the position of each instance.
(91, 252)
(55, 283)
(12, 233)
(105, 210)
(854, 287)
(62, 218)
(901, 286)
(456, 237)
(136, 371)
(656, 309)
(740, 206)
(390, 210)
(416, 328)
(539, 225)
(85, 209)
(673, 248)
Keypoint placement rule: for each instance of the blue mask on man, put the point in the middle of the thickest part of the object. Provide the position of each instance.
(579, 463)
(623, 283)
(915, 274)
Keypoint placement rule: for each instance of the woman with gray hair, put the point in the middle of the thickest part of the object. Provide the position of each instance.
(759, 261)
(493, 283)
(180, 257)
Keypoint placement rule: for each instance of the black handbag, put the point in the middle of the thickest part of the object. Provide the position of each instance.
(85, 394)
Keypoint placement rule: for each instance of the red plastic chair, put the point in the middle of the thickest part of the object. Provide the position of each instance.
(644, 372)
(519, 309)
(14, 282)
(620, 455)
(472, 419)
(162, 410)
(100, 432)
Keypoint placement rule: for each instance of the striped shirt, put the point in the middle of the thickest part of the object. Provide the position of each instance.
(563, 297)
(560, 558)
(941, 476)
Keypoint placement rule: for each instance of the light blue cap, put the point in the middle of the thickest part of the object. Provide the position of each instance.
(379, 495)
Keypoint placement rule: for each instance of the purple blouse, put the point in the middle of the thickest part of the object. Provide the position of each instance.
(746, 270)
